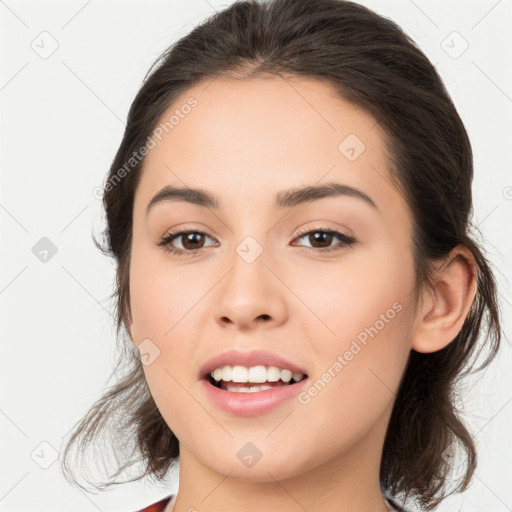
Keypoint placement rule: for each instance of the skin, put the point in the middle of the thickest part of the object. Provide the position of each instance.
(244, 142)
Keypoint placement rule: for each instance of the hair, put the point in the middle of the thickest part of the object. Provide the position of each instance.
(374, 65)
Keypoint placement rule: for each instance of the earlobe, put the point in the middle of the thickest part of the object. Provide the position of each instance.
(445, 308)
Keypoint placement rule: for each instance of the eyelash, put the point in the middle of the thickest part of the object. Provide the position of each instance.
(346, 241)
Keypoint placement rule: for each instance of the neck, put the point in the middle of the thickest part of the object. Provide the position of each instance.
(346, 483)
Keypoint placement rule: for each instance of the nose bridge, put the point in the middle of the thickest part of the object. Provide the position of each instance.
(249, 291)
(251, 239)
(248, 264)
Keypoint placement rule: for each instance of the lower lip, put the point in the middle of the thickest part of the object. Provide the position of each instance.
(251, 404)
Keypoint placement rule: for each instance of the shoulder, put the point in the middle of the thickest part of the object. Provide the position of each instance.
(159, 506)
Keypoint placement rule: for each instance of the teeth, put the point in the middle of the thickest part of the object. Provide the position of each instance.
(286, 375)
(257, 374)
(273, 374)
(252, 389)
(217, 374)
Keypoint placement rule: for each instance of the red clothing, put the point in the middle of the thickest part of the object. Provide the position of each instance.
(159, 506)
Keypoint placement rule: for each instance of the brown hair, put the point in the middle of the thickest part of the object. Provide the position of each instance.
(373, 64)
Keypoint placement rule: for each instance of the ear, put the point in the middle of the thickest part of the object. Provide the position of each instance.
(443, 311)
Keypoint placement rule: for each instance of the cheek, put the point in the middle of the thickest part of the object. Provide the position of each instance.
(359, 331)
(360, 363)
(159, 297)
(164, 311)
(345, 297)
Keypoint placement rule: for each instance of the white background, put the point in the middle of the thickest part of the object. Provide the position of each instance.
(62, 120)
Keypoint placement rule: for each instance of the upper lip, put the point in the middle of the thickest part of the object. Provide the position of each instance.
(248, 359)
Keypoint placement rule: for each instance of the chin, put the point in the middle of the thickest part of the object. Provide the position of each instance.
(265, 470)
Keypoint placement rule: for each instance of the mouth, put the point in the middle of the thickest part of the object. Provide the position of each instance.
(253, 387)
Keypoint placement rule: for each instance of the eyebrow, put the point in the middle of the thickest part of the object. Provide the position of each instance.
(283, 199)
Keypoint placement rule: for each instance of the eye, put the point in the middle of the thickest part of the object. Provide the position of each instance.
(324, 237)
(191, 243)
(194, 241)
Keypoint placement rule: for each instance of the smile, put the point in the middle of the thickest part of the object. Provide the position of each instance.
(248, 398)
(241, 379)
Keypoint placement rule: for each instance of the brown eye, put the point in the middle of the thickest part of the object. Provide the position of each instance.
(191, 242)
(322, 239)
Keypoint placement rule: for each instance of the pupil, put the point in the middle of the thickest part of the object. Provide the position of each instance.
(319, 235)
(190, 238)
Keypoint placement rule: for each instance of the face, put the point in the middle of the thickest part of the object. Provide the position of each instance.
(267, 276)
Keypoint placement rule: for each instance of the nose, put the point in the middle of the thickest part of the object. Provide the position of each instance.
(250, 295)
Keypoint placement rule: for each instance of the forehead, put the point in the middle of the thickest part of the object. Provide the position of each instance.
(246, 139)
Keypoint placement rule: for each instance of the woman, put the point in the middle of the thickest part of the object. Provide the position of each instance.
(289, 214)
